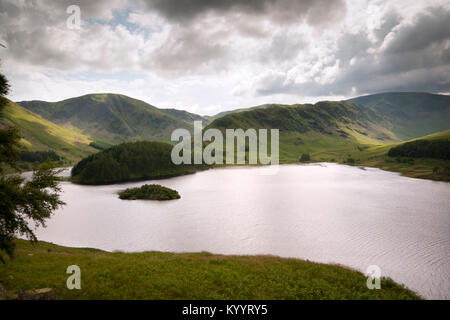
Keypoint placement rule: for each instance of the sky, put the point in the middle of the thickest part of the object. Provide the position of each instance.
(208, 56)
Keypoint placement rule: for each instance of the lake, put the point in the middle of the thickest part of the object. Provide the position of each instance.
(327, 213)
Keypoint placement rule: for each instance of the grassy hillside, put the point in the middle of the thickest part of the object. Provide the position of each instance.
(340, 132)
(158, 275)
(186, 116)
(113, 118)
(423, 168)
(359, 131)
(225, 113)
(40, 134)
(411, 114)
(331, 129)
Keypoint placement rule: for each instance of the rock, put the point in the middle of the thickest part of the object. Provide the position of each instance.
(7, 295)
(37, 294)
(2, 293)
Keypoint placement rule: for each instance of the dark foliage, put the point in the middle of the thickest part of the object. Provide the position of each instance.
(130, 161)
(149, 192)
(305, 157)
(39, 156)
(4, 85)
(100, 145)
(437, 149)
(22, 202)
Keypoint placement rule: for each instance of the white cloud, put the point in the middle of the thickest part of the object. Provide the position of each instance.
(211, 56)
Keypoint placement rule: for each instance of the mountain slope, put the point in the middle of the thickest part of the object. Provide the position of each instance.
(424, 168)
(342, 132)
(411, 114)
(185, 115)
(113, 118)
(225, 113)
(331, 129)
(40, 134)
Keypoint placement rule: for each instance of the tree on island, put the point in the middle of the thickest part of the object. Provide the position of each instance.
(22, 202)
(305, 157)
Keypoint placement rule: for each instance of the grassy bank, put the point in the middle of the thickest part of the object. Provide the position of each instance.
(373, 155)
(158, 275)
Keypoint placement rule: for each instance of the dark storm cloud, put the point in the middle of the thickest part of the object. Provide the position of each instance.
(352, 45)
(315, 12)
(427, 29)
(202, 32)
(186, 50)
(390, 20)
(191, 44)
(298, 47)
(283, 48)
(413, 56)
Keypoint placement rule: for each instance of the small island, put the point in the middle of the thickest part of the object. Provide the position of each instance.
(149, 192)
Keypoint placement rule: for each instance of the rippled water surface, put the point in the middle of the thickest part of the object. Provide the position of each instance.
(325, 213)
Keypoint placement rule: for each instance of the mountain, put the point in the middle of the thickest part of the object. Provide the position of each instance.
(411, 114)
(40, 134)
(114, 118)
(186, 116)
(225, 113)
(326, 130)
(329, 130)
(357, 134)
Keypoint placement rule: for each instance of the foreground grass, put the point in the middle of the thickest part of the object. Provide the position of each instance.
(157, 275)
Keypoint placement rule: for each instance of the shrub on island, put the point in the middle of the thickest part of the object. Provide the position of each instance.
(149, 192)
(305, 157)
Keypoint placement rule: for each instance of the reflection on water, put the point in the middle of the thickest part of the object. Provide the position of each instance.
(325, 213)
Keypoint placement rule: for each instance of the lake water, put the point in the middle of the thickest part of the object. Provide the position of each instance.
(326, 213)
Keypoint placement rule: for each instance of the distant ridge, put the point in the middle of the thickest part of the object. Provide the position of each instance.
(411, 114)
(332, 128)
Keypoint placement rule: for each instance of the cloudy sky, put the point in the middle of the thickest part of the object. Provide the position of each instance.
(207, 56)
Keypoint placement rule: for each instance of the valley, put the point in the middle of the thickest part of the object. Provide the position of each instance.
(359, 131)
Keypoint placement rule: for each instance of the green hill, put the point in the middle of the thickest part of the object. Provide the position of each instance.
(113, 118)
(331, 129)
(411, 114)
(185, 115)
(350, 131)
(423, 168)
(40, 134)
(407, 114)
(225, 113)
